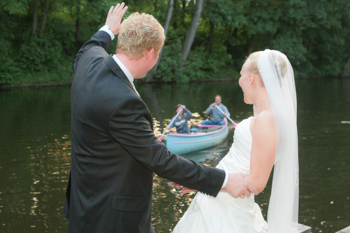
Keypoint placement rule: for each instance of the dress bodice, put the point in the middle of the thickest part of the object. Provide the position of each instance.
(238, 157)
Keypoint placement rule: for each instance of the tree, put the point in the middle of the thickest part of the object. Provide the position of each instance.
(346, 72)
(191, 33)
(35, 18)
(43, 24)
(77, 21)
(208, 39)
(168, 17)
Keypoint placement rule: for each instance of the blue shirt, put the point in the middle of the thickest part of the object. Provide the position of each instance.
(215, 115)
(181, 124)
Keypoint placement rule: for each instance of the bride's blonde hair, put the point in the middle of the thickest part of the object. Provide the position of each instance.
(253, 65)
(253, 58)
(254, 68)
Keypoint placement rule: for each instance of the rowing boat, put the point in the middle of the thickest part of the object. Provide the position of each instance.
(207, 136)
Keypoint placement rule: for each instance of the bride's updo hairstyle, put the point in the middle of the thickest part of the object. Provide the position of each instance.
(253, 58)
(254, 68)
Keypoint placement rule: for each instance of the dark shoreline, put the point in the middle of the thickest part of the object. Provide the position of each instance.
(3, 87)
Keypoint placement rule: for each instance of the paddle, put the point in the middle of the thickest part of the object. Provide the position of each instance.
(177, 114)
(234, 123)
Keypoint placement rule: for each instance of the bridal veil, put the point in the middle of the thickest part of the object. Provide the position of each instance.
(278, 77)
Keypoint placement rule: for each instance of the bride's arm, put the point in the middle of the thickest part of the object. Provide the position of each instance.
(263, 149)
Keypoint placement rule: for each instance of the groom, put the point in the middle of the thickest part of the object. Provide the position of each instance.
(114, 149)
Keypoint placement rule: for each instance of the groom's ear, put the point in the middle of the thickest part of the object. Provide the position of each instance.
(149, 54)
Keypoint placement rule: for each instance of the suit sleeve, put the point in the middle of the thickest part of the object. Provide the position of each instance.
(130, 127)
(101, 38)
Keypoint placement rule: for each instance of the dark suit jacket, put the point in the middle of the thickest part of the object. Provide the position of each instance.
(115, 152)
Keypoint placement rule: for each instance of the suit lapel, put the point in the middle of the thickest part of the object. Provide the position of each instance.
(117, 71)
(120, 74)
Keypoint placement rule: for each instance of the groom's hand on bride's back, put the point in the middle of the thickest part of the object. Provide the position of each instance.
(237, 186)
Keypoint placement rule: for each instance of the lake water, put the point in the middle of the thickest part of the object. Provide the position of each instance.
(35, 152)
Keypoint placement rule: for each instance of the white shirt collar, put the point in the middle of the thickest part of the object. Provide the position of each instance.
(126, 71)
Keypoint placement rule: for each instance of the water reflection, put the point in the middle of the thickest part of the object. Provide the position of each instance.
(35, 152)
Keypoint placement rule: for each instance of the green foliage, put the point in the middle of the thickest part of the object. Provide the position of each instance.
(8, 71)
(199, 66)
(168, 70)
(15, 6)
(313, 34)
(203, 66)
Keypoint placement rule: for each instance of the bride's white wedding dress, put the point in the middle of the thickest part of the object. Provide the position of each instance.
(225, 213)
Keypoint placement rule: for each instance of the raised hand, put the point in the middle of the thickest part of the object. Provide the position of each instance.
(114, 17)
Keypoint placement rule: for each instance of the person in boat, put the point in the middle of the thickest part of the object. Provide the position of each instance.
(215, 115)
(181, 121)
(263, 141)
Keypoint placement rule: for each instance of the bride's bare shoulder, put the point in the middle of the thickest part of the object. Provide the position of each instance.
(264, 121)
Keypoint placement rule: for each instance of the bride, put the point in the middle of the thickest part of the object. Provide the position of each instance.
(269, 139)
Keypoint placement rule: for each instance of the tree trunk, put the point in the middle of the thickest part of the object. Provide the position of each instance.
(155, 6)
(35, 18)
(43, 24)
(210, 36)
(346, 73)
(234, 32)
(176, 9)
(183, 13)
(77, 22)
(169, 14)
(251, 44)
(191, 33)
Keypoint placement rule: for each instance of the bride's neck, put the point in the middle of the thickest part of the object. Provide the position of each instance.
(262, 103)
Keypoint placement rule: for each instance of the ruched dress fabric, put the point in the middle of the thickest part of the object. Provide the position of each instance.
(225, 213)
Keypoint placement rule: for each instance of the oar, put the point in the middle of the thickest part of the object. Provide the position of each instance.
(160, 138)
(234, 123)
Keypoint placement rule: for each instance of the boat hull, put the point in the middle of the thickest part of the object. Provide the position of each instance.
(185, 143)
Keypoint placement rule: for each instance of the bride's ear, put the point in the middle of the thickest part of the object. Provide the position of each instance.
(255, 79)
(251, 79)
